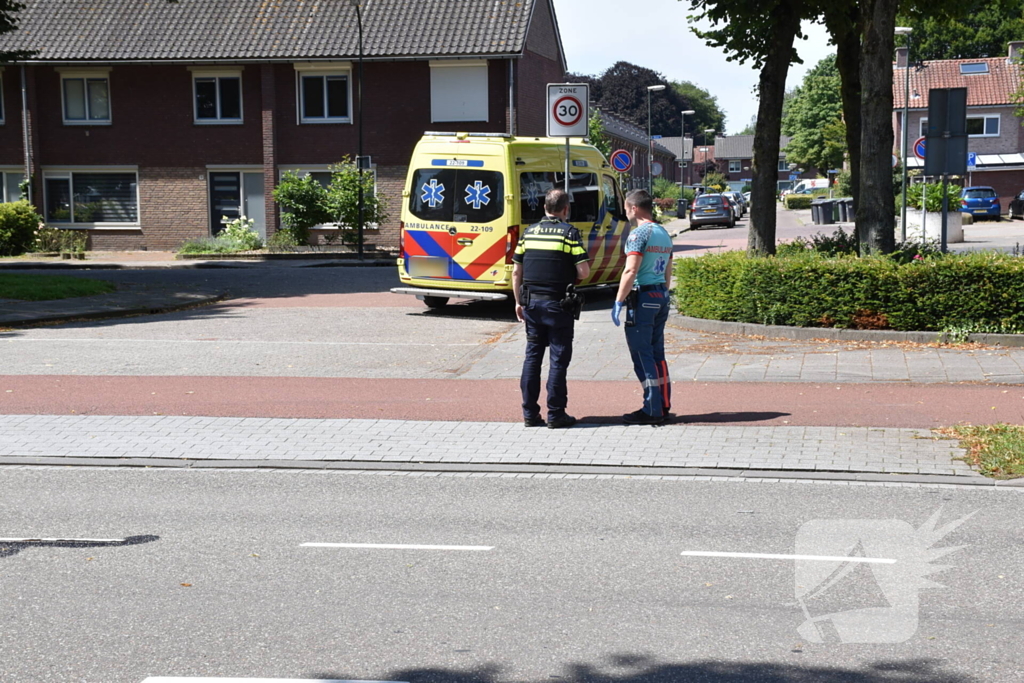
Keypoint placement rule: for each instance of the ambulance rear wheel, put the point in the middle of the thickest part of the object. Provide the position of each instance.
(435, 301)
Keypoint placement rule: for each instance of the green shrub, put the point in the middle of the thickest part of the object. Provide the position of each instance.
(18, 224)
(304, 204)
(798, 201)
(932, 194)
(689, 195)
(980, 290)
(282, 240)
(844, 184)
(665, 189)
(242, 230)
(212, 245)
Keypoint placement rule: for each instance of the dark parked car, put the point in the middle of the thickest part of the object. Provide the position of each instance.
(980, 201)
(1017, 206)
(712, 209)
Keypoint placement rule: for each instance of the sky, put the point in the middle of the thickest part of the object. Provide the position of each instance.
(596, 34)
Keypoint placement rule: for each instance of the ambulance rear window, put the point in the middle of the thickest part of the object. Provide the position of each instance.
(457, 195)
(583, 194)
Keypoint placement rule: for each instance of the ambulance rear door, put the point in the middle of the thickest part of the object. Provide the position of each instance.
(458, 205)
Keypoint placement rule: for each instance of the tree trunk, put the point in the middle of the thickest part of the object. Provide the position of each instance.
(765, 167)
(843, 24)
(876, 222)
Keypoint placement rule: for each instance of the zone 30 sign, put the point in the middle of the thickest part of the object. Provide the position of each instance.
(568, 114)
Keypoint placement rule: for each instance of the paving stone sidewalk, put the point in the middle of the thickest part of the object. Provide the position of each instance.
(811, 449)
(124, 302)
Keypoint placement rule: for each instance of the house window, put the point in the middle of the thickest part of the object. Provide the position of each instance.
(974, 68)
(783, 166)
(734, 166)
(977, 126)
(217, 97)
(91, 198)
(86, 98)
(10, 186)
(458, 91)
(324, 98)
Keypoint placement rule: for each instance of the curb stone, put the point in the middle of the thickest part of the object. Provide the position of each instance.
(12, 320)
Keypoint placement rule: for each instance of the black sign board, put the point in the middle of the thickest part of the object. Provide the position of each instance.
(946, 146)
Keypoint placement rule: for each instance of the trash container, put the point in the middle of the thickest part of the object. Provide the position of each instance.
(816, 211)
(681, 208)
(851, 215)
(841, 206)
(827, 209)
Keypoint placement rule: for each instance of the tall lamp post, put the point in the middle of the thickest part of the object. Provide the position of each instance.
(905, 31)
(360, 162)
(650, 140)
(682, 144)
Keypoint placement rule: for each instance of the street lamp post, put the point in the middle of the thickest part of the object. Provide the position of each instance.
(905, 31)
(359, 94)
(682, 144)
(650, 140)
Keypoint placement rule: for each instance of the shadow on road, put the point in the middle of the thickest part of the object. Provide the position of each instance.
(11, 549)
(641, 669)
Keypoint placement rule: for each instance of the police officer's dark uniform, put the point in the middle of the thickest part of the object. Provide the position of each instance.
(548, 254)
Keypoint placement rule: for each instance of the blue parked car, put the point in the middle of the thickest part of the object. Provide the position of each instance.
(980, 201)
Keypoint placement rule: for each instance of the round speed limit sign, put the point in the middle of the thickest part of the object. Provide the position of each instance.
(567, 111)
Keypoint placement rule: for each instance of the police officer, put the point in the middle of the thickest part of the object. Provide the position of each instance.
(548, 259)
(645, 285)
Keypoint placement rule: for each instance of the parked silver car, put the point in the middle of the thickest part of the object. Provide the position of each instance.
(739, 199)
(712, 209)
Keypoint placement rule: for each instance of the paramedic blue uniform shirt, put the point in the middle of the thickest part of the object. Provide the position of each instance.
(548, 254)
(646, 339)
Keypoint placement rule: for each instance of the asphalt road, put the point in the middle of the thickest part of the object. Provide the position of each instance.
(584, 580)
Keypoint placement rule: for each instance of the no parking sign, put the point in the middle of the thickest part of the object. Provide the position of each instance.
(622, 160)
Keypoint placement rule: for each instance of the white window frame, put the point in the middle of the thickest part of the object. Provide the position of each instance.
(326, 70)
(68, 172)
(984, 125)
(305, 169)
(436, 65)
(4, 172)
(86, 75)
(783, 166)
(738, 163)
(218, 73)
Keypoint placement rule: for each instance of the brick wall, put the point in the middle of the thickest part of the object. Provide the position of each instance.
(534, 72)
(1006, 184)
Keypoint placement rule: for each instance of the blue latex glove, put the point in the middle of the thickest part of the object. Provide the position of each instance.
(616, 311)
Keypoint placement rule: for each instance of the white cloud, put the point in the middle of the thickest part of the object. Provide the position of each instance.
(598, 33)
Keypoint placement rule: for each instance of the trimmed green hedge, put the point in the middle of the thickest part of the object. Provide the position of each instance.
(799, 201)
(980, 291)
(18, 223)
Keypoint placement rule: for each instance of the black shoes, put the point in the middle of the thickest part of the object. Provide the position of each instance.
(561, 422)
(537, 421)
(639, 417)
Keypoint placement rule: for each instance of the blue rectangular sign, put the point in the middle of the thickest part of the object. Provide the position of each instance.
(459, 163)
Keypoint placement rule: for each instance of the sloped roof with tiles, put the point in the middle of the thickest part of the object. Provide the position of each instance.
(624, 130)
(742, 146)
(996, 87)
(190, 30)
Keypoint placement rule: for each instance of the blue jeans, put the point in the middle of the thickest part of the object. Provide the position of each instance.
(646, 341)
(547, 326)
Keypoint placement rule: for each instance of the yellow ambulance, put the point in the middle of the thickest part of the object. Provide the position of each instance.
(469, 196)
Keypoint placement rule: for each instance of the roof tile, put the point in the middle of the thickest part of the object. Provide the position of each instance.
(993, 88)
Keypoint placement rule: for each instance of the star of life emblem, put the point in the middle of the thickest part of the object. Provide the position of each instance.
(478, 195)
(533, 196)
(433, 193)
(659, 265)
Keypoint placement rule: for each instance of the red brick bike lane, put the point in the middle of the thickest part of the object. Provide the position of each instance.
(798, 404)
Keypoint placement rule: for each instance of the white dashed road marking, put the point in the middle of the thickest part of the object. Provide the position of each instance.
(394, 546)
(812, 558)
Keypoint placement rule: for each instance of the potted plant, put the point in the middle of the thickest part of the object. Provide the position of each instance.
(925, 223)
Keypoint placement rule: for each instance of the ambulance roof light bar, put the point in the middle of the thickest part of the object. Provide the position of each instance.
(445, 134)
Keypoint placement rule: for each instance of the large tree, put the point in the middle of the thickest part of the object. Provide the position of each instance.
(762, 33)
(622, 90)
(813, 117)
(983, 32)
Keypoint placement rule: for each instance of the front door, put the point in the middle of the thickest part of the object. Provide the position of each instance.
(225, 199)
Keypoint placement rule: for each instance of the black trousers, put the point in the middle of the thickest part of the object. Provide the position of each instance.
(547, 327)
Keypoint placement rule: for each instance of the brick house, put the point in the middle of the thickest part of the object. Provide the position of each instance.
(628, 136)
(732, 156)
(995, 132)
(144, 123)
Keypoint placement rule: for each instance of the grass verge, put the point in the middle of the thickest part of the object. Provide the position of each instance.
(48, 287)
(997, 451)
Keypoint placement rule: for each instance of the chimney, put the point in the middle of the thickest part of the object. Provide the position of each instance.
(1015, 50)
(902, 53)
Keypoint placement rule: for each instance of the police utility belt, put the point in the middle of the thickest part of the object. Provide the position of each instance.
(571, 301)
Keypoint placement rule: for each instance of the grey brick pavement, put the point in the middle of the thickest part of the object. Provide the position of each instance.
(822, 449)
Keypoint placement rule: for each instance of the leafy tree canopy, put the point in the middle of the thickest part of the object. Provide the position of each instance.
(751, 127)
(8, 23)
(813, 116)
(984, 32)
(622, 91)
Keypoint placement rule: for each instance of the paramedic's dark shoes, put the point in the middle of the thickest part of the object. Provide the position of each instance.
(639, 417)
(561, 422)
(537, 421)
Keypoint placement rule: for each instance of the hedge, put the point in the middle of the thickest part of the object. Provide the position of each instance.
(798, 201)
(980, 291)
(18, 223)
